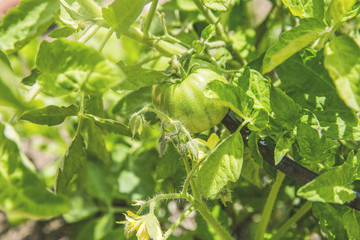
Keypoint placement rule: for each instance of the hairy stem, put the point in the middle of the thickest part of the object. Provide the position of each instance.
(269, 205)
(89, 33)
(177, 222)
(162, 197)
(105, 40)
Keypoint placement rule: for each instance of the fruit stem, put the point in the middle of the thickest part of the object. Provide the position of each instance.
(149, 17)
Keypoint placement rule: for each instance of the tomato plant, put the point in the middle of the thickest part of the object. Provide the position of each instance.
(180, 119)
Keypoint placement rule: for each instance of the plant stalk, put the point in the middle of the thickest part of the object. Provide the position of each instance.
(269, 205)
(149, 17)
(212, 221)
(91, 7)
(291, 221)
(177, 222)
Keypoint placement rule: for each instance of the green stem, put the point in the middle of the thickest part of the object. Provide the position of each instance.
(91, 7)
(89, 33)
(166, 48)
(106, 38)
(34, 91)
(291, 221)
(177, 222)
(211, 220)
(161, 197)
(149, 17)
(269, 205)
(81, 114)
(192, 183)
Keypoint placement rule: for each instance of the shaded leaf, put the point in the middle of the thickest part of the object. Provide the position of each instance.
(138, 77)
(50, 115)
(67, 66)
(110, 125)
(30, 19)
(254, 148)
(222, 165)
(168, 163)
(133, 102)
(22, 192)
(306, 81)
(96, 143)
(293, 41)
(351, 221)
(330, 220)
(342, 60)
(69, 166)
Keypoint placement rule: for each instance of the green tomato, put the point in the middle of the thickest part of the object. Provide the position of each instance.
(185, 100)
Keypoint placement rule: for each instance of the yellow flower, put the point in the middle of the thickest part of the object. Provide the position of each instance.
(147, 226)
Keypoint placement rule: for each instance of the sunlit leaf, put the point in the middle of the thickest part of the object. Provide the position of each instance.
(339, 8)
(22, 192)
(217, 5)
(222, 165)
(293, 41)
(333, 185)
(67, 66)
(342, 60)
(110, 125)
(351, 221)
(122, 13)
(306, 8)
(30, 19)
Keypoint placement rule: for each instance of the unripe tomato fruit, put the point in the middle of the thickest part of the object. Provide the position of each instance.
(185, 100)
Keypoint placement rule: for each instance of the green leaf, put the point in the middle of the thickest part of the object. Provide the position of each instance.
(169, 163)
(339, 8)
(231, 96)
(198, 47)
(138, 77)
(257, 87)
(222, 165)
(110, 125)
(22, 192)
(96, 144)
(330, 220)
(286, 111)
(312, 147)
(282, 147)
(31, 79)
(50, 115)
(82, 207)
(9, 93)
(62, 32)
(306, 8)
(217, 5)
(100, 181)
(69, 166)
(239, 102)
(250, 169)
(122, 13)
(30, 19)
(351, 221)
(254, 148)
(342, 60)
(67, 66)
(307, 82)
(293, 41)
(94, 228)
(208, 32)
(133, 102)
(332, 186)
